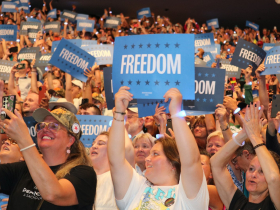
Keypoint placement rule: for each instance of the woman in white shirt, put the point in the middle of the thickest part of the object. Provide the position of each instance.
(174, 176)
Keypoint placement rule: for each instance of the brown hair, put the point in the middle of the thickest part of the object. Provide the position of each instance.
(199, 121)
(172, 154)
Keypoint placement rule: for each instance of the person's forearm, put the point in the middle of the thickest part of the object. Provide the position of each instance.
(87, 93)
(50, 4)
(116, 146)
(263, 96)
(186, 144)
(224, 155)
(49, 78)
(22, 41)
(210, 123)
(268, 164)
(34, 80)
(68, 87)
(129, 150)
(225, 129)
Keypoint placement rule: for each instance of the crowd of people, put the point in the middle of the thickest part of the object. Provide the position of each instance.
(225, 160)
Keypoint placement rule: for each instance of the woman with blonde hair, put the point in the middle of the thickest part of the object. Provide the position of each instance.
(142, 144)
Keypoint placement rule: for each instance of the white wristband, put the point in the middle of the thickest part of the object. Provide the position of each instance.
(32, 145)
(236, 111)
(233, 138)
(179, 114)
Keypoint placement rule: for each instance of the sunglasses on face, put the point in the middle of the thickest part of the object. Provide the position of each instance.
(11, 141)
(51, 126)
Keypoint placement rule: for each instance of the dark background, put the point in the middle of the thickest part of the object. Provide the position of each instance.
(230, 13)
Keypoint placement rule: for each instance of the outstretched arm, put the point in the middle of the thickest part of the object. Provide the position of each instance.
(121, 170)
(191, 170)
(268, 164)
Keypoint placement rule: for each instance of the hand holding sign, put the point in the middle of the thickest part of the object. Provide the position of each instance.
(176, 97)
(259, 70)
(246, 54)
(122, 98)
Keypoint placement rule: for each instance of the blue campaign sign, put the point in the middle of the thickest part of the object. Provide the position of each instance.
(272, 61)
(144, 12)
(112, 22)
(3, 196)
(204, 41)
(231, 70)
(28, 53)
(78, 42)
(32, 33)
(213, 22)
(5, 69)
(24, 6)
(72, 59)
(217, 50)
(92, 126)
(52, 14)
(8, 6)
(30, 122)
(82, 17)
(88, 25)
(209, 91)
(33, 20)
(43, 60)
(24, 26)
(246, 54)
(208, 58)
(24, 1)
(102, 53)
(268, 46)
(69, 14)
(54, 26)
(108, 86)
(8, 32)
(147, 107)
(199, 63)
(252, 25)
(152, 64)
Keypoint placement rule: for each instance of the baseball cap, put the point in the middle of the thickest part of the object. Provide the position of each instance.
(62, 115)
(77, 83)
(62, 102)
(97, 97)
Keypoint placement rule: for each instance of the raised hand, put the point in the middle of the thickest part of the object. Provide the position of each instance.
(160, 115)
(221, 113)
(175, 105)
(252, 122)
(122, 98)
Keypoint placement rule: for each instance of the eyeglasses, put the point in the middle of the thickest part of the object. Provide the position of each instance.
(234, 160)
(131, 116)
(51, 126)
(11, 141)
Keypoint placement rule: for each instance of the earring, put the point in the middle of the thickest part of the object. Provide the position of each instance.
(68, 150)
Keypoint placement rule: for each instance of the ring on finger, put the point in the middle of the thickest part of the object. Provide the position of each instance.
(4, 126)
(248, 120)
